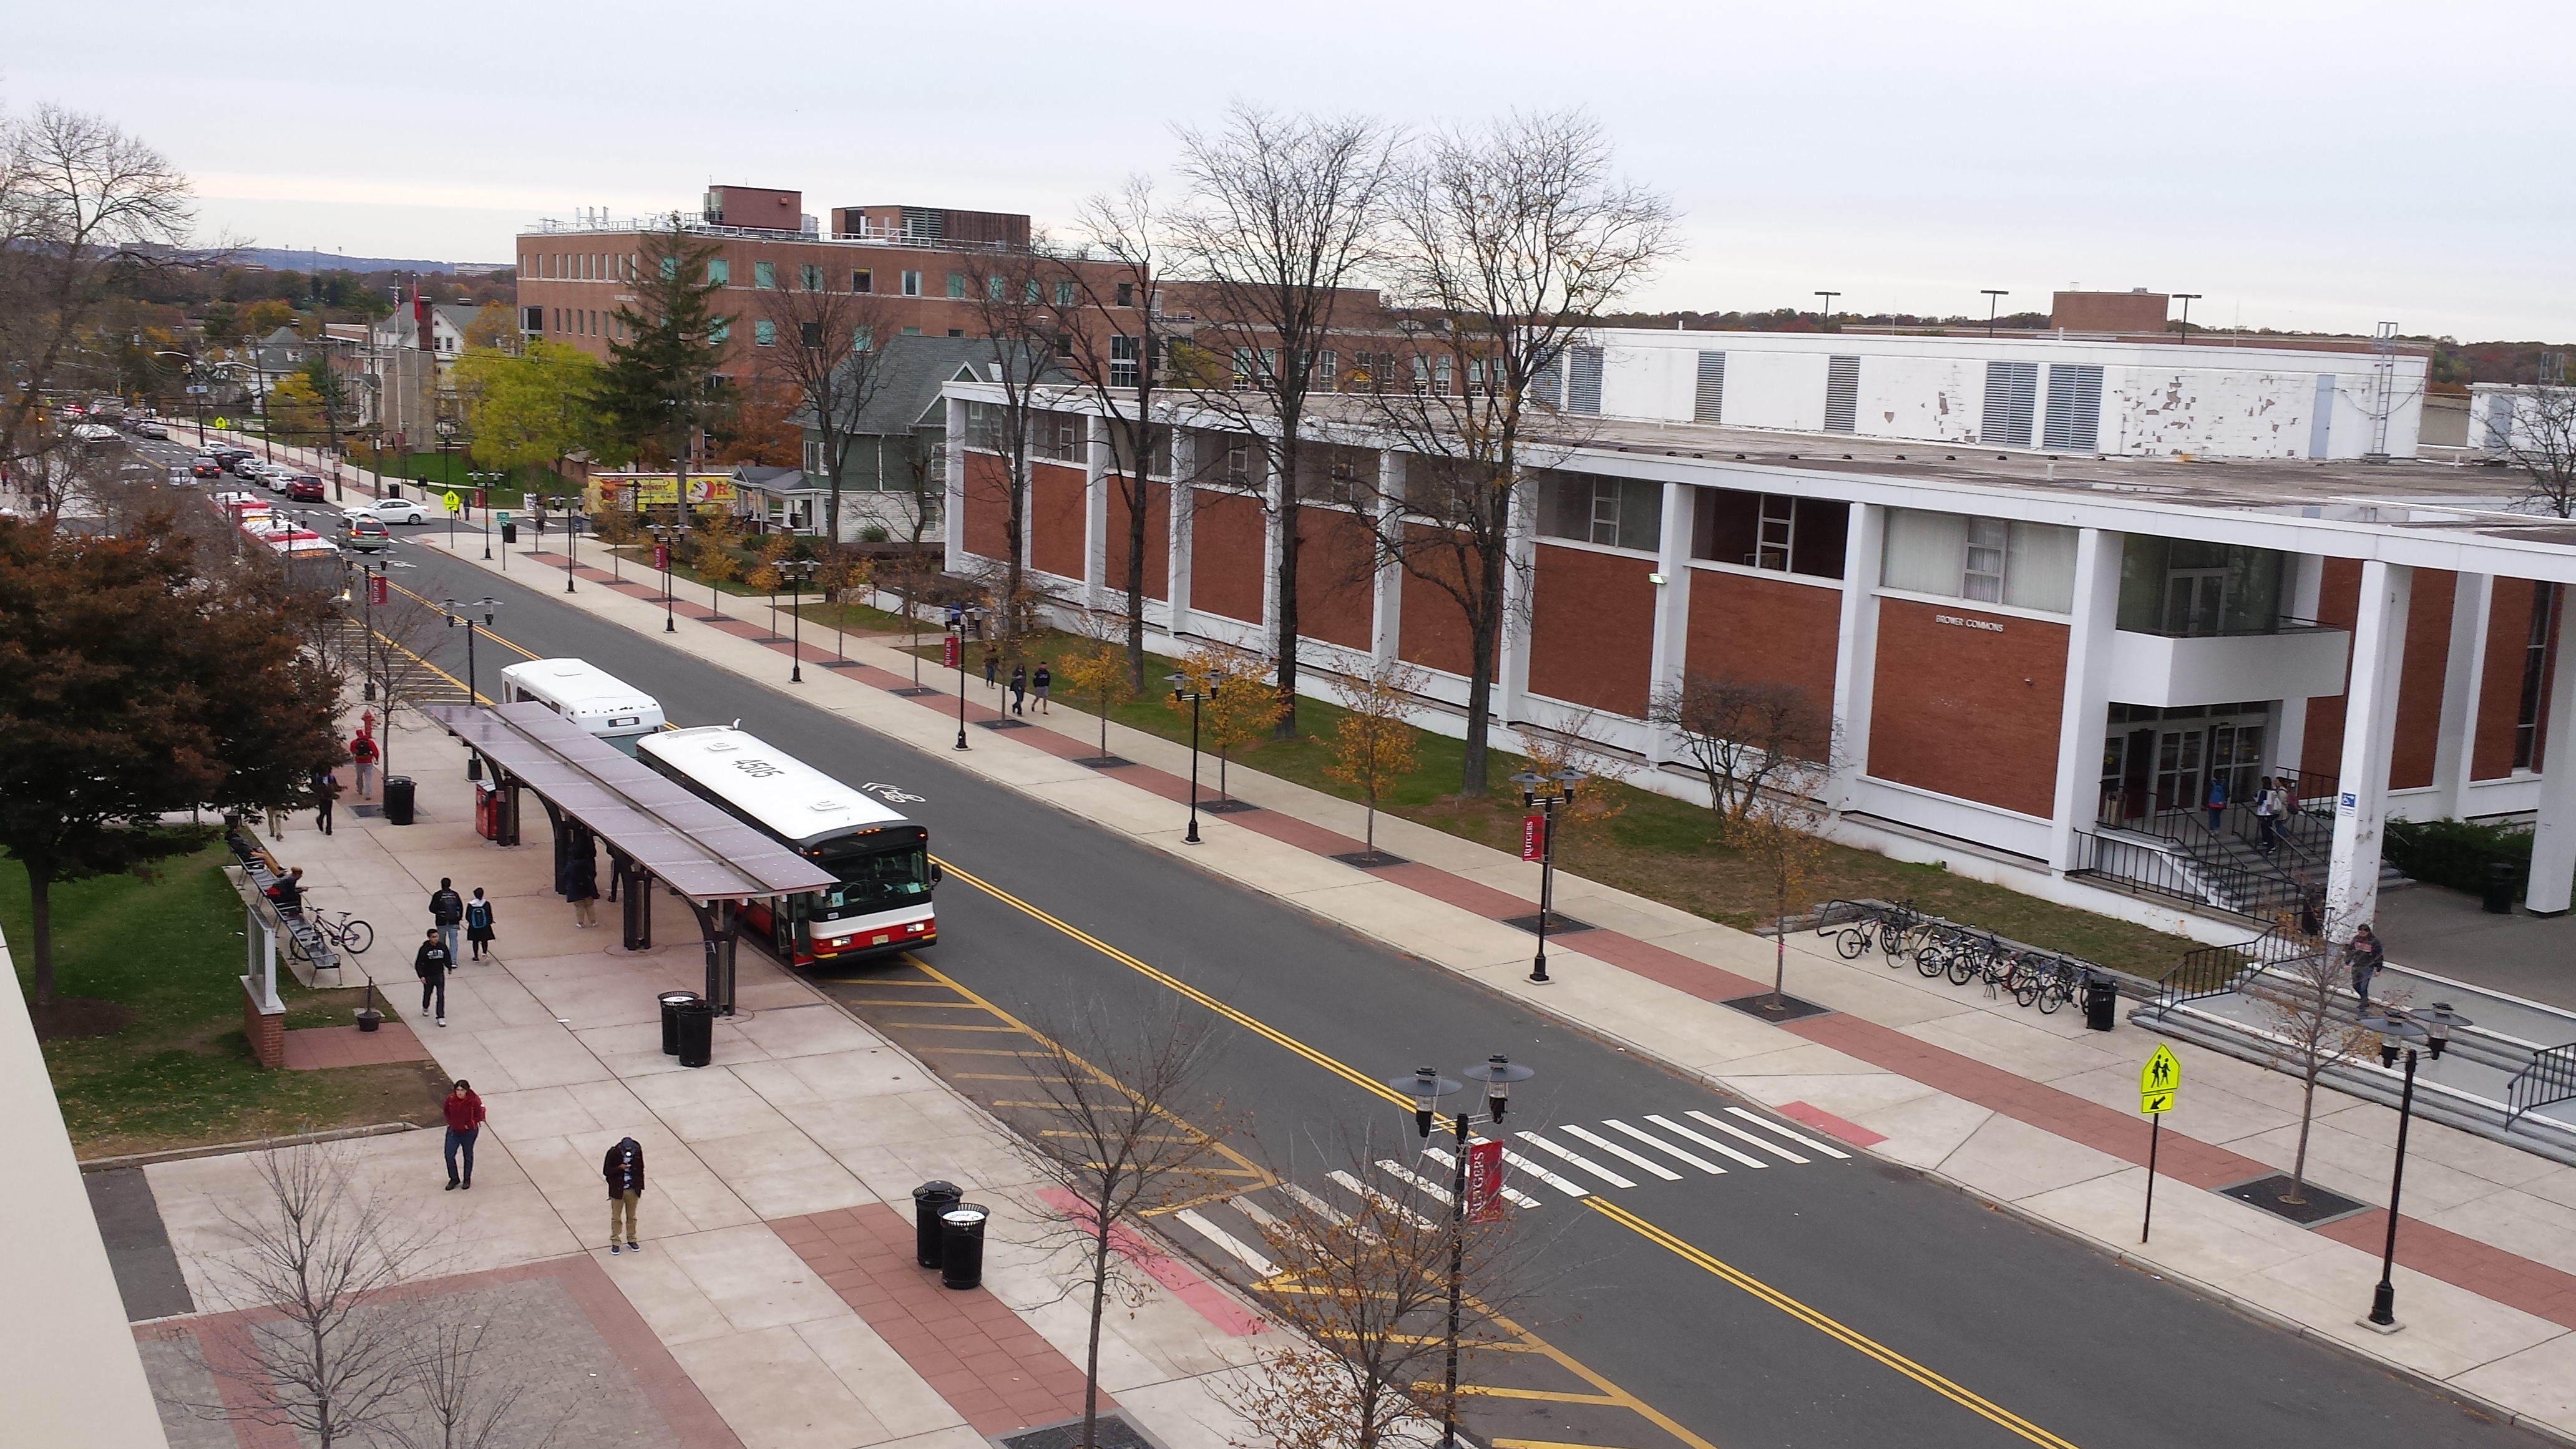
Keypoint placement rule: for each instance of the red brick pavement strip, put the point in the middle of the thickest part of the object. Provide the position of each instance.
(1189, 1287)
(992, 1368)
(345, 1046)
(2463, 1262)
(655, 1375)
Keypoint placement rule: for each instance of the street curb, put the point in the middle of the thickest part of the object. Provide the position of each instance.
(221, 1149)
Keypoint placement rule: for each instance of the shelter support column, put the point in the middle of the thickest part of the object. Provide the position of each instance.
(1520, 582)
(953, 506)
(2553, 836)
(2307, 586)
(2369, 732)
(1095, 516)
(2463, 675)
(2084, 710)
(1386, 581)
(1183, 498)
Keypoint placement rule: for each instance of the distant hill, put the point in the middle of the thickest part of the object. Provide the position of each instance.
(286, 259)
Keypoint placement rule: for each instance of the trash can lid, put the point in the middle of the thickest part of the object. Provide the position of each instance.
(935, 1188)
(678, 998)
(964, 1217)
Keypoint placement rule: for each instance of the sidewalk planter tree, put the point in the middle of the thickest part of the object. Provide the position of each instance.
(1097, 671)
(1374, 745)
(2300, 1002)
(1780, 833)
(1741, 734)
(1242, 703)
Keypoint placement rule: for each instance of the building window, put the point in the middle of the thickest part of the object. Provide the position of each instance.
(720, 330)
(764, 333)
(1991, 560)
(1615, 512)
(1242, 368)
(1842, 395)
(670, 269)
(2012, 395)
(1126, 294)
(1064, 294)
(862, 280)
(1124, 353)
(532, 319)
(1029, 292)
(1771, 531)
(810, 277)
(1708, 402)
(809, 335)
(764, 275)
(912, 332)
(1336, 476)
(912, 284)
(1062, 437)
(1328, 371)
(984, 427)
(2194, 589)
(2535, 676)
(861, 339)
(1583, 380)
(1421, 373)
(1441, 374)
(719, 271)
(2074, 407)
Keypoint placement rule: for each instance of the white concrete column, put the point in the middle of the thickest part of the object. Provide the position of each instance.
(2369, 730)
(1856, 649)
(952, 529)
(1511, 677)
(1672, 610)
(1184, 498)
(1386, 604)
(2553, 839)
(2463, 674)
(2307, 585)
(2084, 710)
(1095, 516)
(1271, 539)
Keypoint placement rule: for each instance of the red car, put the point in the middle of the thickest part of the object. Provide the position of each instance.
(305, 488)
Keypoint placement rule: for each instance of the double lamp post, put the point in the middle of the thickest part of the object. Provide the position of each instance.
(1426, 1087)
(1546, 794)
(2401, 1030)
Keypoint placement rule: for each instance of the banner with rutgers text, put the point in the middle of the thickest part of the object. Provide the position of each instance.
(631, 492)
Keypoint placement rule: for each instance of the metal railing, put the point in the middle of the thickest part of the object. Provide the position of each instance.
(2550, 1079)
(2187, 873)
(552, 226)
(2278, 624)
(2218, 970)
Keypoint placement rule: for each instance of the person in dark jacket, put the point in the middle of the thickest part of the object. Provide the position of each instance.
(1019, 687)
(464, 1123)
(581, 887)
(478, 923)
(431, 963)
(624, 1169)
(289, 893)
(2365, 956)
(446, 912)
(1044, 680)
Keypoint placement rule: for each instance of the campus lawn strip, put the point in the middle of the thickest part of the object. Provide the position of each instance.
(163, 958)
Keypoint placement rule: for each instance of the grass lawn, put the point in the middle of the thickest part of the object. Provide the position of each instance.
(178, 1071)
(637, 562)
(1648, 844)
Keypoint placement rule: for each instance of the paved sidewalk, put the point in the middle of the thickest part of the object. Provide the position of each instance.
(2030, 1112)
(733, 1325)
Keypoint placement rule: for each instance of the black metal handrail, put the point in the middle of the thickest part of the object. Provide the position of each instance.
(2187, 874)
(2278, 624)
(2550, 1079)
(2219, 970)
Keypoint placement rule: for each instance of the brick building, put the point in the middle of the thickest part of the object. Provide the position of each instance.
(2038, 659)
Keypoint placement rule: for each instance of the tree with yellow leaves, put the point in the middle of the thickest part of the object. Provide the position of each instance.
(719, 532)
(1374, 745)
(1097, 670)
(1241, 706)
(1780, 833)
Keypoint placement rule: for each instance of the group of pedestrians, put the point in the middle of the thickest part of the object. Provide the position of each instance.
(363, 754)
(448, 914)
(1022, 681)
(622, 1170)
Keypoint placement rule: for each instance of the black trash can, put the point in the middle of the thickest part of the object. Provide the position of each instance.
(928, 1201)
(961, 1246)
(696, 1026)
(398, 799)
(2499, 893)
(2101, 1001)
(672, 1001)
(510, 532)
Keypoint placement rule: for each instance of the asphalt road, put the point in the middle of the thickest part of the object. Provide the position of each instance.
(1959, 1325)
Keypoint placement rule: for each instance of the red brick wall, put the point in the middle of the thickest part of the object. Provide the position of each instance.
(1434, 633)
(1227, 555)
(2419, 678)
(1158, 538)
(1335, 592)
(1592, 634)
(1055, 519)
(988, 507)
(266, 1030)
(2338, 604)
(1967, 711)
(1763, 629)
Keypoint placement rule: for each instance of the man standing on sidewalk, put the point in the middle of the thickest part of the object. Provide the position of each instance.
(2365, 956)
(431, 963)
(446, 913)
(624, 1169)
(464, 1123)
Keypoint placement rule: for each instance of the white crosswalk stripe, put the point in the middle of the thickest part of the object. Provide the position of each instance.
(1702, 1163)
(1563, 1185)
(1415, 1180)
(1510, 1193)
(1613, 1148)
(1227, 1243)
(1314, 1204)
(1793, 1135)
(1579, 1160)
(1714, 1145)
(1260, 1215)
(1362, 1189)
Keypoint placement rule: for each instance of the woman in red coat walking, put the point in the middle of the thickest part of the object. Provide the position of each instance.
(464, 1123)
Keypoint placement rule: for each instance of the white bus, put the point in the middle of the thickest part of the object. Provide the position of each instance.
(882, 903)
(586, 694)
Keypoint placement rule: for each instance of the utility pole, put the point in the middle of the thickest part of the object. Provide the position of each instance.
(1993, 295)
(2186, 298)
(1824, 317)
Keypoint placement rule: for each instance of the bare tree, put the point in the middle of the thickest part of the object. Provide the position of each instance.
(2300, 1001)
(2540, 438)
(1014, 300)
(1132, 1115)
(1283, 213)
(1116, 346)
(455, 1399)
(1742, 733)
(1509, 243)
(1781, 834)
(829, 351)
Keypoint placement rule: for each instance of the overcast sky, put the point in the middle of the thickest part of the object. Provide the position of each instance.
(2302, 165)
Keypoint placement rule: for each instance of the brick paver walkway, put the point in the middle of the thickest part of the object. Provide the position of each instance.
(316, 1047)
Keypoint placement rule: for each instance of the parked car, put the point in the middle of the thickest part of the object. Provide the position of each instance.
(206, 465)
(394, 510)
(365, 533)
(306, 488)
(244, 465)
(226, 455)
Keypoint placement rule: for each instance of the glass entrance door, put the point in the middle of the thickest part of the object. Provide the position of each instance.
(2195, 601)
(2180, 754)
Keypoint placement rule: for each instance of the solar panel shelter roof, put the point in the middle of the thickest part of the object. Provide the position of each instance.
(696, 848)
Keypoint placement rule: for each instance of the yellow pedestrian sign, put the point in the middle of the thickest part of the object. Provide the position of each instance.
(453, 501)
(2158, 1080)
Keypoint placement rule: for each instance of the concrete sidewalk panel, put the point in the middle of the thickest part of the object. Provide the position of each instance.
(878, 1377)
(776, 1393)
(752, 1278)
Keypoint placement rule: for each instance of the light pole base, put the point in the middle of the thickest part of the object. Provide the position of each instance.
(2382, 1329)
(1538, 976)
(2383, 1309)
(1191, 837)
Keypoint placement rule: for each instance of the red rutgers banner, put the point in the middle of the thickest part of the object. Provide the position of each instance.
(1484, 1182)
(662, 557)
(1533, 836)
(376, 590)
(950, 654)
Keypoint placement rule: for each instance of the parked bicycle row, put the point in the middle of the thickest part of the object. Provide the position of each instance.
(1965, 954)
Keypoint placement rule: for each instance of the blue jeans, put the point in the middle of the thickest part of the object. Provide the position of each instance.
(447, 937)
(461, 1142)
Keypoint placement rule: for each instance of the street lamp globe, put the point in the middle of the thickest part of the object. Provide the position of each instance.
(1497, 1072)
(1426, 1087)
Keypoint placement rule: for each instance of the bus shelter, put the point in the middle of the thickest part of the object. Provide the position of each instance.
(654, 829)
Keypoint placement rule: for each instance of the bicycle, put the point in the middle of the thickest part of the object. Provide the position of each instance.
(344, 931)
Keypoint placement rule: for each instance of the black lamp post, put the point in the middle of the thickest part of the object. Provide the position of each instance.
(1183, 688)
(367, 691)
(794, 573)
(957, 647)
(1426, 1087)
(485, 606)
(664, 536)
(1545, 793)
(572, 535)
(2402, 1031)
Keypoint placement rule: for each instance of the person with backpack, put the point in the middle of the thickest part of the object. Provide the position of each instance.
(1019, 687)
(2216, 800)
(624, 1170)
(362, 753)
(446, 913)
(431, 963)
(2266, 825)
(478, 923)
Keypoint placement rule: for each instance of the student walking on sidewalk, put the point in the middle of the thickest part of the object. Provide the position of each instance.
(1044, 679)
(478, 923)
(464, 1123)
(431, 963)
(624, 1169)
(446, 912)
(1019, 687)
(992, 667)
(362, 754)
(2365, 956)
(326, 788)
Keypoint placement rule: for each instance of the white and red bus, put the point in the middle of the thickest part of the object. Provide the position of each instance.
(882, 903)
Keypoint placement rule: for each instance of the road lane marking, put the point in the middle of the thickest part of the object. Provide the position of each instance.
(1261, 1216)
(1702, 1163)
(1791, 1133)
(1510, 1193)
(1416, 1181)
(1316, 1205)
(1569, 1188)
(1227, 1243)
(1362, 1189)
(1614, 1149)
(1579, 1160)
(1849, 1337)
(1738, 1132)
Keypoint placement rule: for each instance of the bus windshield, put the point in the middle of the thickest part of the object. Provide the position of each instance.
(874, 880)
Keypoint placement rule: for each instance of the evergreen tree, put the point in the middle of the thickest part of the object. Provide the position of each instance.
(660, 389)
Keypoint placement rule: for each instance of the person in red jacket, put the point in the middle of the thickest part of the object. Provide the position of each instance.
(624, 1169)
(464, 1123)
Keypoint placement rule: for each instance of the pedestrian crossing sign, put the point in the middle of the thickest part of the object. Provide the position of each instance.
(453, 502)
(2158, 1080)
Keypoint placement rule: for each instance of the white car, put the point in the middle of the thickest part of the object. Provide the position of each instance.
(393, 510)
